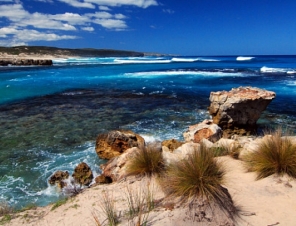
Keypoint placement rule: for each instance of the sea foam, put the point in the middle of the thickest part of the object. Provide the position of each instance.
(243, 58)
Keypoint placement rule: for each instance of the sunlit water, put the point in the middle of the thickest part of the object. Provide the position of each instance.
(51, 116)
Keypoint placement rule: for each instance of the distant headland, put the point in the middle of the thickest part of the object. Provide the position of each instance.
(43, 55)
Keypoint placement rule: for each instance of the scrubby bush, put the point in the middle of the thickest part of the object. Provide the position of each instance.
(146, 160)
(198, 177)
(275, 155)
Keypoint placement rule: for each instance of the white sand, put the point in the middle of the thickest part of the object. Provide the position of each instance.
(270, 201)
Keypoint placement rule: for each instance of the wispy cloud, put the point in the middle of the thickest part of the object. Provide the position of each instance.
(23, 26)
(168, 11)
(110, 3)
(76, 3)
(88, 29)
(104, 8)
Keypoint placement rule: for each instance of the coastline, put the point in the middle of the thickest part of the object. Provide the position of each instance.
(264, 202)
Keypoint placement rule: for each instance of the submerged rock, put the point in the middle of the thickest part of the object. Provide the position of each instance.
(238, 110)
(204, 130)
(114, 143)
(83, 174)
(58, 178)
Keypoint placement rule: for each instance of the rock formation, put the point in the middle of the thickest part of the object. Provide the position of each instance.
(25, 62)
(114, 169)
(171, 145)
(114, 143)
(83, 174)
(58, 178)
(238, 110)
(204, 130)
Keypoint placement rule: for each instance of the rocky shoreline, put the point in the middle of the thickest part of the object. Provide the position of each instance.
(25, 62)
(236, 112)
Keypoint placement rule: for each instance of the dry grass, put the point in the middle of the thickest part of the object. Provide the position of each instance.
(109, 209)
(232, 150)
(274, 155)
(147, 160)
(198, 177)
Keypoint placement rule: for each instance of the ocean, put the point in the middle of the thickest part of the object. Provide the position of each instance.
(50, 116)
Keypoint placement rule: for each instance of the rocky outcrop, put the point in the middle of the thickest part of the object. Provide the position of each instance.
(25, 62)
(114, 143)
(238, 110)
(83, 174)
(171, 145)
(204, 130)
(58, 178)
(114, 169)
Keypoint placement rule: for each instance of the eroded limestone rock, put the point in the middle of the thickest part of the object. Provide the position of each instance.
(238, 110)
(83, 174)
(114, 143)
(58, 178)
(204, 130)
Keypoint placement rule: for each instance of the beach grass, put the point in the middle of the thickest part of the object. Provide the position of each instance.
(147, 160)
(274, 155)
(232, 150)
(199, 176)
(109, 208)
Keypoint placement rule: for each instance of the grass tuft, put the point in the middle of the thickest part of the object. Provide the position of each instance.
(274, 155)
(227, 149)
(109, 209)
(59, 203)
(147, 160)
(198, 176)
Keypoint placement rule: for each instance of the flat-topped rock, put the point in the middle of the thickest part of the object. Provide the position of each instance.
(237, 111)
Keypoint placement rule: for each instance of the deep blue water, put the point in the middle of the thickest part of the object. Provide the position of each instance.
(51, 116)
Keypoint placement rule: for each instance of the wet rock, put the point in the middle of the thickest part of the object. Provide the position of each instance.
(114, 143)
(25, 62)
(238, 110)
(58, 178)
(102, 179)
(171, 145)
(204, 130)
(83, 174)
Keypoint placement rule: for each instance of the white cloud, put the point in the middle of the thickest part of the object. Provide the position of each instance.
(111, 23)
(104, 8)
(105, 3)
(78, 4)
(16, 36)
(88, 29)
(168, 11)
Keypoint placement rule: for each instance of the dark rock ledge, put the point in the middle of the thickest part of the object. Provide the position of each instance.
(25, 62)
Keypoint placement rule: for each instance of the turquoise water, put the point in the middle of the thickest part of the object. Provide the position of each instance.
(51, 116)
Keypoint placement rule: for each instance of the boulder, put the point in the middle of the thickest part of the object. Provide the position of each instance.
(83, 174)
(238, 110)
(171, 145)
(114, 143)
(102, 179)
(115, 167)
(204, 130)
(58, 178)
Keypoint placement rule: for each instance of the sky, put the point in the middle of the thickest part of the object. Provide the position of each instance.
(188, 27)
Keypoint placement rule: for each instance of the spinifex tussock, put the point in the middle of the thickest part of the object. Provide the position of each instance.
(274, 155)
(147, 160)
(198, 177)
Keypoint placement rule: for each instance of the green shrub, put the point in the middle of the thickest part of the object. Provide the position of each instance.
(147, 160)
(275, 155)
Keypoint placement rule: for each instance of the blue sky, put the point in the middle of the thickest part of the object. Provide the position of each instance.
(189, 27)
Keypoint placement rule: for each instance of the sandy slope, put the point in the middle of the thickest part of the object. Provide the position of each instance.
(270, 201)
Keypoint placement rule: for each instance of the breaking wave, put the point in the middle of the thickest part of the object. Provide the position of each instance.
(243, 58)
